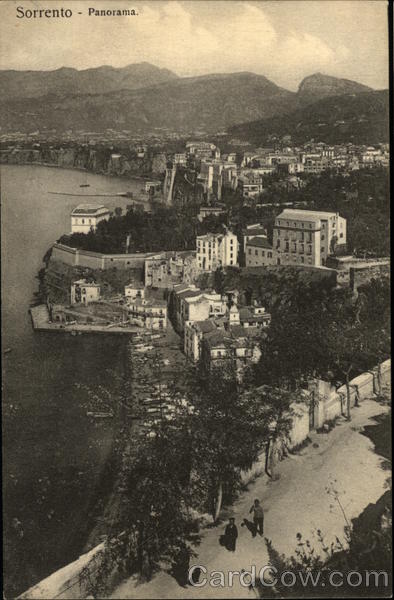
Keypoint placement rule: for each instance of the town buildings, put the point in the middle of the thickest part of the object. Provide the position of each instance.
(170, 268)
(84, 292)
(250, 184)
(150, 314)
(209, 211)
(132, 291)
(251, 231)
(217, 250)
(259, 253)
(235, 336)
(87, 216)
(307, 237)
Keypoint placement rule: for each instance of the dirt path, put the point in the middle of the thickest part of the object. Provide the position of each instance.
(296, 502)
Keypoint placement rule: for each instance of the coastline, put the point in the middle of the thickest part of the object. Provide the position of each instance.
(81, 169)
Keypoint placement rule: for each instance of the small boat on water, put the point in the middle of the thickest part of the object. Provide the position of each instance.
(125, 194)
(100, 415)
(85, 185)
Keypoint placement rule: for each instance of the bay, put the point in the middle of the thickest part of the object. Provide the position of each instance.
(54, 457)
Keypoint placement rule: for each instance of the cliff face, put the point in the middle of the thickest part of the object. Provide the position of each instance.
(97, 160)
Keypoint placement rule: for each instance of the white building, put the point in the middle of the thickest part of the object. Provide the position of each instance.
(217, 250)
(193, 336)
(87, 216)
(150, 314)
(84, 292)
(132, 291)
(307, 236)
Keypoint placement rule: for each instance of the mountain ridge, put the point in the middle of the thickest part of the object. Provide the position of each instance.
(360, 118)
(35, 84)
(142, 98)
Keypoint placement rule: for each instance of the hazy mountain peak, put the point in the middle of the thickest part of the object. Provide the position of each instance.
(319, 85)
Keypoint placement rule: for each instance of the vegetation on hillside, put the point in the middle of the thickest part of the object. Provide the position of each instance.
(361, 197)
(358, 118)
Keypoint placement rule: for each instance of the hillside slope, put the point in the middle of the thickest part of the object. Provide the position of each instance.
(359, 118)
(207, 103)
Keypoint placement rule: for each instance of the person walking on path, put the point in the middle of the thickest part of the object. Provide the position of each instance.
(258, 517)
(231, 534)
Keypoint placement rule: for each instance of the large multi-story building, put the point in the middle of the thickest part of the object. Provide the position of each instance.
(87, 216)
(307, 236)
(217, 250)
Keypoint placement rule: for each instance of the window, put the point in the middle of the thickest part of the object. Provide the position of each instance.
(322, 237)
(341, 235)
(322, 249)
(269, 254)
(256, 252)
(262, 253)
(302, 259)
(83, 221)
(249, 251)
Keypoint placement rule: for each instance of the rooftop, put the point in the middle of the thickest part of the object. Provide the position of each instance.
(259, 242)
(311, 215)
(205, 326)
(89, 209)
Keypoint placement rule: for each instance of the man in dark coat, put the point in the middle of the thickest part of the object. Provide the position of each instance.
(231, 534)
(258, 517)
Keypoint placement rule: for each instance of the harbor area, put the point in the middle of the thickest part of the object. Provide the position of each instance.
(82, 300)
(40, 316)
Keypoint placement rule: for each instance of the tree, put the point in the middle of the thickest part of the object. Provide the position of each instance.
(230, 428)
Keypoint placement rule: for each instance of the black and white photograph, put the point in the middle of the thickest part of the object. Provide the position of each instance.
(195, 299)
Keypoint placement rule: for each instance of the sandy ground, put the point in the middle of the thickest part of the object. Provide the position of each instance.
(296, 501)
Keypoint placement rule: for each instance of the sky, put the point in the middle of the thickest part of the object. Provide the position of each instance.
(285, 40)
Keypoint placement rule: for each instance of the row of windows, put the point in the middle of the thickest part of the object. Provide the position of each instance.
(301, 233)
(295, 224)
(82, 221)
(269, 254)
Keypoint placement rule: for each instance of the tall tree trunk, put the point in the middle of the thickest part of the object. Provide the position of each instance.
(349, 418)
(267, 457)
(379, 379)
(218, 503)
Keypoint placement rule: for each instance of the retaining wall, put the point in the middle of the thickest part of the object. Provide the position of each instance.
(97, 260)
(300, 428)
